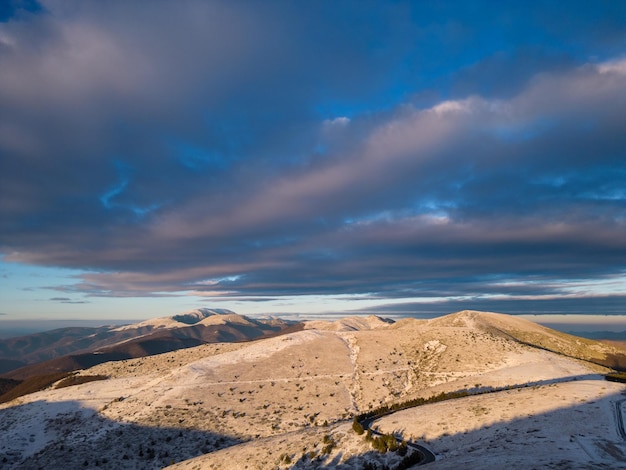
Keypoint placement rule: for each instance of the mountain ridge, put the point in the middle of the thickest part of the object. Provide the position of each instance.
(255, 403)
(71, 349)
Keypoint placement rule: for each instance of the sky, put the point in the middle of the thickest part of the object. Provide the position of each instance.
(311, 157)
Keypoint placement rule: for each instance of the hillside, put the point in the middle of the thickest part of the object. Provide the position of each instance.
(19, 351)
(288, 401)
(538, 336)
(142, 339)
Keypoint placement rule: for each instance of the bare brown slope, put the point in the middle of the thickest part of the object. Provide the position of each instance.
(7, 365)
(59, 342)
(132, 349)
(613, 342)
(31, 385)
(7, 384)
(30, 349)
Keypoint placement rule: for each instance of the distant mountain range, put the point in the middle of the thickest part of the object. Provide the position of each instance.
(474, 389)
(67, 349)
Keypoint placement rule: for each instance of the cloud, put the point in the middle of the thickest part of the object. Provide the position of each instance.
(67, 300)
(247, 154)
(608, 305)
(465, 216)
(418, 154)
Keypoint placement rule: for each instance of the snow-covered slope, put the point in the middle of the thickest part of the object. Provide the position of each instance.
(349, 324)
(148, 337)
(181, 320)
(280, 402)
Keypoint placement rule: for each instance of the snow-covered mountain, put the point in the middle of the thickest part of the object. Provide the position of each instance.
(526, 396)
(71, 348)
(191, 317)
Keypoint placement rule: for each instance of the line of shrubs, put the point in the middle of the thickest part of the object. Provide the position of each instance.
(616, 377)
(389, 442)
(386, 409)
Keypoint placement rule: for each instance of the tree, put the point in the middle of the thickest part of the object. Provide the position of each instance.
(357, 427)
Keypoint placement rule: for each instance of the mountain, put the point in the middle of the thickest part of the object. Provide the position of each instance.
(349, 324)
(541, 337)
(23, 350)
(523, 396)
(20, 351)
(79, 348)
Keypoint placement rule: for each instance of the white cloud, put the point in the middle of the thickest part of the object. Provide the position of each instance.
(338, 121)
(452, 107)
(613, 66)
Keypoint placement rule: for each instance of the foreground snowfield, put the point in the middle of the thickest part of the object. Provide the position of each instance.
(280, 402)
(562, 425)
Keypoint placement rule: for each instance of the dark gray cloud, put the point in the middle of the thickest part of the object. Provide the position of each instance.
(259, 150)
(505, 74)
(67, 300)
(607, 305)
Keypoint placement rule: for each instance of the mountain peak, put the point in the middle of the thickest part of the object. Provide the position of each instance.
(196, 315)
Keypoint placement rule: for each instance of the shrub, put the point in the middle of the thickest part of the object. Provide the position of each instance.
(409, 460)
(385, 443)
(357, 427)
(329, 444)
(402, 449)
(616, 377)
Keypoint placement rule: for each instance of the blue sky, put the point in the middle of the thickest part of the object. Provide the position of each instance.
(306, 157)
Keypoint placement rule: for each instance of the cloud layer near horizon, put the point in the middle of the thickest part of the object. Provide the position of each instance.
(266, 149)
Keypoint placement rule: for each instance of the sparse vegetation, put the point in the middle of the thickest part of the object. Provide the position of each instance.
(386, 409)
(329, 444)
(253, 403)
(616, 377)
(357, 426)
(383, 443)
(409, 460)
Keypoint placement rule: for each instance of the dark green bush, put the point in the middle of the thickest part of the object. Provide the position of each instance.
(616, 377)
(357, 427)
